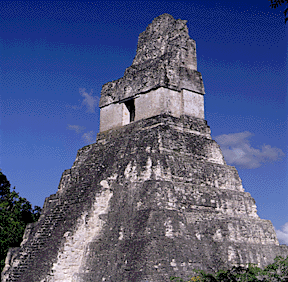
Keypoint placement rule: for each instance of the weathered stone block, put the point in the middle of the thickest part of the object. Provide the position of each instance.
(165, 59)
(145, 202)
(153, 197)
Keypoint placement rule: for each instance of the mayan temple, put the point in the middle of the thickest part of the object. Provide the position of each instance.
(153, 197)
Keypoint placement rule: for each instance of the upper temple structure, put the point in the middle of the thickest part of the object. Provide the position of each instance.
(153, 197)
(163, 78)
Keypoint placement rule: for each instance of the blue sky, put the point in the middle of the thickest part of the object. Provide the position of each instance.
(56, 55)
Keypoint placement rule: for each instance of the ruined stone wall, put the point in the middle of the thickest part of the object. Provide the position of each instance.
(147, 201)
(165, 57)
(151, 199)
(158, 101)
(163, 77)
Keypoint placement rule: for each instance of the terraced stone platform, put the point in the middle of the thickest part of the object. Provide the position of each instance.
(147, 201)
(153, 197)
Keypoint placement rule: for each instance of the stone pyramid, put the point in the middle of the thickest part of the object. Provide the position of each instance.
(153, 197)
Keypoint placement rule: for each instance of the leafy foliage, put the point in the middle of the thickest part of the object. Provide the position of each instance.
(277, 271)
(275, 3)
(15, 213)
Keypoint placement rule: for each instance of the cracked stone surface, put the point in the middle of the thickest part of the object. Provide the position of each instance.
(151, 199)
(145, 202)
(165, 57)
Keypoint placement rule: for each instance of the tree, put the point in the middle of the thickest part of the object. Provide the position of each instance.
(275, 3)
(15, 213)
(277, 271)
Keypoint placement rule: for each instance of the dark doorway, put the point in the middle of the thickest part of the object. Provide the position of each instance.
(131, 108)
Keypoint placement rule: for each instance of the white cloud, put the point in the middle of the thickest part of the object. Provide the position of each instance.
(282, 234)
(237, 150)
(76, 128)
(89, 101)
(74, 107)
(88, 137)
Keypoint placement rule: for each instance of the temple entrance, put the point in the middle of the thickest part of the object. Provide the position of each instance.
(128, 111)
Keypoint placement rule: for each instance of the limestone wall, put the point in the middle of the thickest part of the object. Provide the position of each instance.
(165, 57)
(147, 201)
(111, 116)
(151, 199)
(153, 103)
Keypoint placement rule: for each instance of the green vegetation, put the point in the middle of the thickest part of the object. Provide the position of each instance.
(15, 213)
(277, 271)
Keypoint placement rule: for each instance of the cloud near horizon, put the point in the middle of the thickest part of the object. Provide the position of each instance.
(282, 234)
(237, 150)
